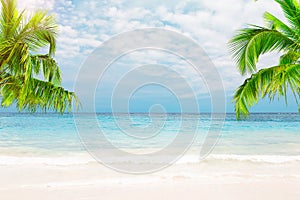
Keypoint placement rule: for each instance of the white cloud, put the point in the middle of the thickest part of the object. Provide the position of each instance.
(32, 5)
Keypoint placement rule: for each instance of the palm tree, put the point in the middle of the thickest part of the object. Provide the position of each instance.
(21, 38)
(252, 42)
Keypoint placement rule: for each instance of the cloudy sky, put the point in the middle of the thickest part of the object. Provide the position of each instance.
(85, 25)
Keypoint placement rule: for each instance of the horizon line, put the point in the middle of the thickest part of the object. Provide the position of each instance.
(42, 112)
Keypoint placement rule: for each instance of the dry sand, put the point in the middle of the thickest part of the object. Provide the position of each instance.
(93, 181)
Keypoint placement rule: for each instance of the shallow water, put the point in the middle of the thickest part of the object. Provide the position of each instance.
(271, 138)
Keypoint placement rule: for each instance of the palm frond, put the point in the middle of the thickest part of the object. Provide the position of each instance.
(14, 55)
(291, 9)
(276, 24)
(48, 66)
(288, 76)
(249, 43)
(40, 31)
(35, 95)
(290, 57)
(9, 15)
(266, 82)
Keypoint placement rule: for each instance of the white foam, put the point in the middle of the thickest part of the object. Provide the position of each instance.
(62, 161)
(276, 159)
(187, 159)
(257, 158)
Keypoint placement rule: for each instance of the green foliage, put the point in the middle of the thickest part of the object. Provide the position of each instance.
(250, 43)
(21, 37)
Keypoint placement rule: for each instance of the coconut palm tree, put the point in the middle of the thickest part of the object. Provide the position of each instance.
(30, 80)
(252, 42)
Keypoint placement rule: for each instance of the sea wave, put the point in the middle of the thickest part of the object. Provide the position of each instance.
(275, 159)
(60, 161)
(187, 159)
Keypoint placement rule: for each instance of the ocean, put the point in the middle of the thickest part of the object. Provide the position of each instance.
(272, 138)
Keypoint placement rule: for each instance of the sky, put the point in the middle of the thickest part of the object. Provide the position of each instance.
(85, 25)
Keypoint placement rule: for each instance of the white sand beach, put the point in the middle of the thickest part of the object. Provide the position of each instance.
(82, 178)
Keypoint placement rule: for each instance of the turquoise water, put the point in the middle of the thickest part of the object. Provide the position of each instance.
(261, 134)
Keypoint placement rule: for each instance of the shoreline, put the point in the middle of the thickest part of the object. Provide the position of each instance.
(255, 159)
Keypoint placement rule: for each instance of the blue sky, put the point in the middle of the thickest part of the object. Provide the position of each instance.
(85, 25)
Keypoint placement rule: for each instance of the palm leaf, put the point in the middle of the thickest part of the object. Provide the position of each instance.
(49, 68)
(290, 57)
(266, 82)
(9, 16)
(40, 31)
(287, 76)
(276, 24)
(291, 9)
(250, 43)
(36, 95)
